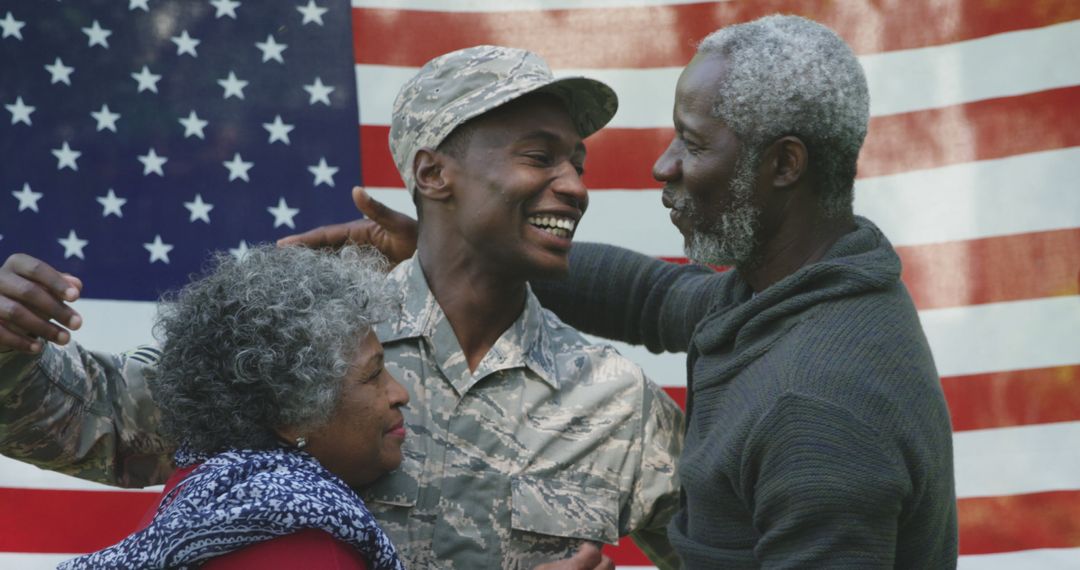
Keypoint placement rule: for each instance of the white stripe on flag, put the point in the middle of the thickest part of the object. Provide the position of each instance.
(514, 6)
(994, 66)
(20, 561)
(1016, 460)
(1037, 333)
(25, 476)
(1041, 559)
(958, 202)
(972, 200)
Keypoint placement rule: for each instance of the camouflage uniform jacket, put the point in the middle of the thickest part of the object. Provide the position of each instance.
(550, 441)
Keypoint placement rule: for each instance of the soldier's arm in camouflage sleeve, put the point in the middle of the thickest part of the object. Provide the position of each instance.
(623, 295)
(83, 413)
(656, 488)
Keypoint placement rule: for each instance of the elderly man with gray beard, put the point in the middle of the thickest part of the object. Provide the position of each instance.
(818, 435)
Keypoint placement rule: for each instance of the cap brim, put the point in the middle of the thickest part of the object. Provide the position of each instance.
(591, 103)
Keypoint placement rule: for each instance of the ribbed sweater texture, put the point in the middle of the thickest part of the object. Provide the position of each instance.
(818, 435)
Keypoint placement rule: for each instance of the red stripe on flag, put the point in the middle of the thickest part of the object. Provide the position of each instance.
(1013, 398)
(998, 399)
(987, 525)
(587, 37)
(983, 130)
(994, 128)
(1019, 522)
(38, 520)
(994, 270)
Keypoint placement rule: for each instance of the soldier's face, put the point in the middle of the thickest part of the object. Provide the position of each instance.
(518, 194)
(362, 441)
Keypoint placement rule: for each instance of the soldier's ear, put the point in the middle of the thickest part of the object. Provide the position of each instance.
(434, 172)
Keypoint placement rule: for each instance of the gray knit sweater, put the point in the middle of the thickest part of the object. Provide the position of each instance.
(818, 435)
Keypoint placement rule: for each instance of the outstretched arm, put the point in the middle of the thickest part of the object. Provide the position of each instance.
(65, 408)
(623, 295)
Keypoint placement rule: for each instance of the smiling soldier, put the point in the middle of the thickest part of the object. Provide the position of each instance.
(525, 441)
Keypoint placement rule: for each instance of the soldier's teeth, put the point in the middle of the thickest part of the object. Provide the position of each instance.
(552, 222)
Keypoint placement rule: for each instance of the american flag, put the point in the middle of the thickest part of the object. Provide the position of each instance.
(971, 168)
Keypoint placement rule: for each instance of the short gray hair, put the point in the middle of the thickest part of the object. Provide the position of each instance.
(788, 75)
(262, 342)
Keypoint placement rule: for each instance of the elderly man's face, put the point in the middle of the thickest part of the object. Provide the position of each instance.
(708, 181)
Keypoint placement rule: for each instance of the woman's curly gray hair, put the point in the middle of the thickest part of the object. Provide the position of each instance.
(262, 343)
(788, 75)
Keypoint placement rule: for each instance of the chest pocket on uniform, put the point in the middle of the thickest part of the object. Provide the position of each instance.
(558, 507)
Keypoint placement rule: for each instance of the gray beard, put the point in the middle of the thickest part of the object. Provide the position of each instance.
(731, 239)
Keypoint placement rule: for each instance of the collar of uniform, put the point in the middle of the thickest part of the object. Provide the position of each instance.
(523, 344)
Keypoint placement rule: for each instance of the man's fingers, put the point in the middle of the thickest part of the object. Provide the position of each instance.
(30, 305)
(16, 317)
(12, 340)
(387, 217)
(37, 271)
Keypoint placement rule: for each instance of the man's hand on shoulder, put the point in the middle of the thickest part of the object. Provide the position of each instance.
(588, 557)
(33, 304)
(387, 230)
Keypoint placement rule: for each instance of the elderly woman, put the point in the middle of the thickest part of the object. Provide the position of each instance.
(273, 386)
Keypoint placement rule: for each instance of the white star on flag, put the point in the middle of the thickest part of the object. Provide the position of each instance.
(240, 251)
(73, 246)
(147, 81)
(159, 250)
(193, 125)
(111, 204)
(60, 73)
(283, 214)
(65, 156)
(199, 210)
(105, 118)
(186, 44)
(278, 130)
(312, 13)
(12, 27)
(324, 173)
(28, 199)
(238, 168)
(271, 49)
(152, 162)
(319, 92)
(97, 35)
(233, 86)
(20, 112)
(225, 8)
(141, 4)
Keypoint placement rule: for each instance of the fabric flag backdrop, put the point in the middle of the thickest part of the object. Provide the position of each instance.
(140, 134)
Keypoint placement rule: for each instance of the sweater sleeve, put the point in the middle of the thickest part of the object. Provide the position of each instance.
(619, 294)
(824, 488)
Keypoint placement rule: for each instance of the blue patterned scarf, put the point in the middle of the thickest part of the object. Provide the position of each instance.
(242, 497)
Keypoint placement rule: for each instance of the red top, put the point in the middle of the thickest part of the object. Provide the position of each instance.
(308, 548)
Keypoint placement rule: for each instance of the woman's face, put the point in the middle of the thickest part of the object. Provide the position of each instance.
(363, 438)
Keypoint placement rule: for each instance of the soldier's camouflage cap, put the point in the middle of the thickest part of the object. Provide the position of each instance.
(467, 83)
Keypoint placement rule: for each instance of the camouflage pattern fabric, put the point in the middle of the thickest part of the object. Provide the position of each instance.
(462, 84)
(551, 442)
(83, 413)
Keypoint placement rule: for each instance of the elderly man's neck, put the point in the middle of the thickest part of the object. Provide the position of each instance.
(798, 242)
(480, 302)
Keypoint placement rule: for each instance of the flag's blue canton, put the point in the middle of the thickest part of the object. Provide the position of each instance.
(107, 170)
